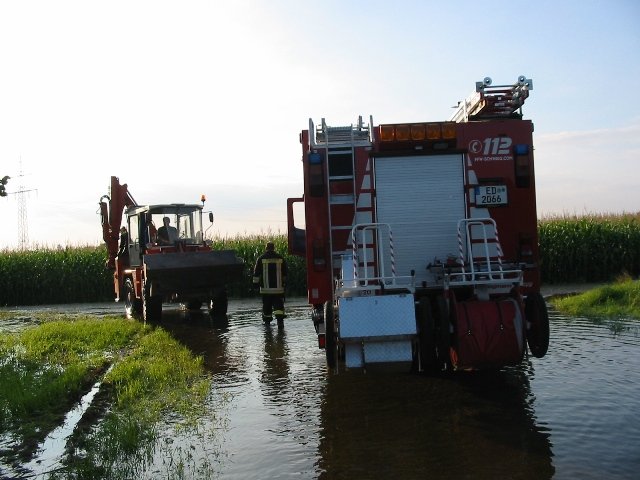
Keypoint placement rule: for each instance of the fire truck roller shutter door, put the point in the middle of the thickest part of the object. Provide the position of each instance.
(422, 198)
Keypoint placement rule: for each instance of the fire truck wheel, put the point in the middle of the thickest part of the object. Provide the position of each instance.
(443, 333)
(330, 335)
(132, 305)
(537, 317)
(426, 334)
(151, 307)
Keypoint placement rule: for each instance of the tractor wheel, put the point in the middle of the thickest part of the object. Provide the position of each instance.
(426, 334)
(330, 345)
(194, 304)
(443, 333)
(151, 306)
(218, 306)
(132, 305)
(537, 317)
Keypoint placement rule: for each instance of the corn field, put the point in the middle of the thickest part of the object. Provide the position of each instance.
(78, 274)
(589, 248)
(573, 249)
(47, 276)
(249, 248)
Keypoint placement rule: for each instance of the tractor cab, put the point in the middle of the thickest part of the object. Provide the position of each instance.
(163, 228)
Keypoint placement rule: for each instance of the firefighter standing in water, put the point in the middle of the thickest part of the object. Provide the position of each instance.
(270, 274)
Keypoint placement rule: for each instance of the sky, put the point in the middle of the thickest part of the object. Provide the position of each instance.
(185, 98)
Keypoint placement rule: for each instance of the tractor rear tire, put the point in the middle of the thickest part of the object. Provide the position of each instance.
(194, 305)
(151, 307)
(219, 305)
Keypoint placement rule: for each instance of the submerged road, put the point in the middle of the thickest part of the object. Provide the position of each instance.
(279, 413)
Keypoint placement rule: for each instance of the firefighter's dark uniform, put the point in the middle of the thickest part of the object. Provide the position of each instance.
(270, 274)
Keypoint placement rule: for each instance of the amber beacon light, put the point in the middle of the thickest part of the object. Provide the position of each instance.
(418, 132)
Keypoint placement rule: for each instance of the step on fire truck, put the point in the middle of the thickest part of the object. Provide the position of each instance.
(150, 268)
(421, 239)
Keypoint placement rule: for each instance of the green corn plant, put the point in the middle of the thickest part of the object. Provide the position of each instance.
(589, 248)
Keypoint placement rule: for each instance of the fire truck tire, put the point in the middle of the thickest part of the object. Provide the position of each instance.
(132, 305)
(426, 334)
(443, 333)
(151, 307)
(537, 317)
(330, 335)
(219, 305)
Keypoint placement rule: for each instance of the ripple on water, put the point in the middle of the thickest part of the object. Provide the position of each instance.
(572, 414)
(589, 393)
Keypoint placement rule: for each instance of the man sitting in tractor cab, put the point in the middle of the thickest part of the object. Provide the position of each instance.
(167, 234)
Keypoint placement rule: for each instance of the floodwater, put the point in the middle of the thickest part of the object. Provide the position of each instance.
(572, 414)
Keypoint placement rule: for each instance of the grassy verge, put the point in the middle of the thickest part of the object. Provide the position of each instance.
(45, 370)
(620, 299)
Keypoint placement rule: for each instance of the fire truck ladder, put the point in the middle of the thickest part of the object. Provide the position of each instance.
(344, 211)
(494, 101)
(480, 258)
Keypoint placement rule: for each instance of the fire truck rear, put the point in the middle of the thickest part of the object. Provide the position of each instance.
(421, 240)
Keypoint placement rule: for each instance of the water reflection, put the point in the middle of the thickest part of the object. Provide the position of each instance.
(572, 414)
(274, 377)
(568, 415)
(588, 394)
(210, 338)
(407, 426)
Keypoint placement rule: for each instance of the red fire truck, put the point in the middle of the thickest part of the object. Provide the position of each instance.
(421, 239)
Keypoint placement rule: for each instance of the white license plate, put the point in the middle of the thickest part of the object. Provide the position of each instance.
(488, 195)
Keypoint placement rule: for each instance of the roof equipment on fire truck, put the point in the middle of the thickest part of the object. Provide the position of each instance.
(493, 101)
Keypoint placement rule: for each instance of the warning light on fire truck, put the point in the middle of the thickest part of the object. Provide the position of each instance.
(418, 132)
(316, 175)
(522, 165)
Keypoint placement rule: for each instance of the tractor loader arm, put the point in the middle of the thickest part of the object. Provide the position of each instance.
(111, 209)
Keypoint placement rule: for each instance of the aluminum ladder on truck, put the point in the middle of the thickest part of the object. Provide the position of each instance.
(376, 310)
(493, 101)
(344, 210)
(479, 260)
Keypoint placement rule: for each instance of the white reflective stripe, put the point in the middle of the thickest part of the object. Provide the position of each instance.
(271, 290)
(266, 262)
